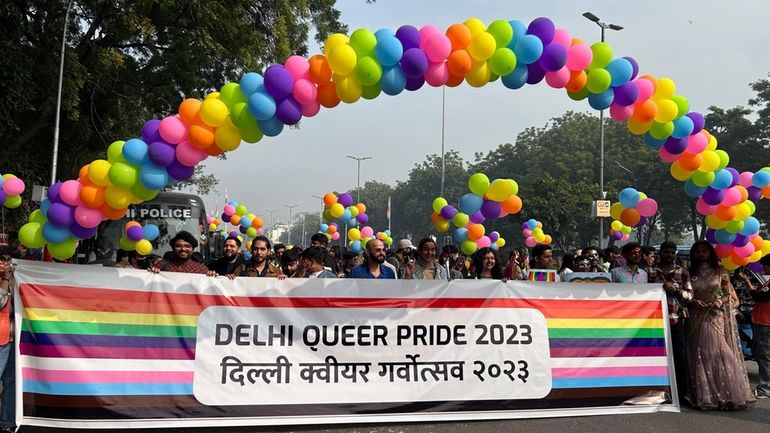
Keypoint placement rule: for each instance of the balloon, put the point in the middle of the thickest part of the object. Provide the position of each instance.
(31, 235)
(629, 198)
(468, 247)
(478, 183)
(62, 250)
(490, 209)
(438, 204)
(501, 189)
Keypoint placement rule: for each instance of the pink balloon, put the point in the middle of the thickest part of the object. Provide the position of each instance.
(13, 186)
(503, 213)
(88, 217)
(646, 89)
(305, 91)
(311, 109)
(530, 242)
(647, 207)
(335, 236)
(745, 250)
(562, 37)
(437, 74)
(526, 232)
(483, 242)
(173, 130)
(228, 210)
(189, 155)
(621, 113)
(625, 237)
(732, 197)
(696, 143)
(426, 32)
(297, 67)
(579, 57)
(666, 155)
(745, 179)
(438, 47)
(558, 79)
(703, 208)
(70, 193)
(367, 232)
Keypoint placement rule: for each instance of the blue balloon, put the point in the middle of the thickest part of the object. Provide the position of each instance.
(262, 106)
(250, 83)
(620, 70)
(393, 80)
(750, 226)
(135, 151)
(693, 190)
(324, 228)
(724, 237)
(519, 30)
(270, 127)
(629, 197)
(722, 179)
(245, 222)
(470, 203)
(389, 49)
(346, 215)
(601, 101)
(153, 177)
(532, 224)
(460, 235)
(761, 179)
(352, 222)
(653, 142)
(683, 127)
(528, 49)
(44, 205)
(151, 232)
(54, 234)
(355, 247)
(518, 78)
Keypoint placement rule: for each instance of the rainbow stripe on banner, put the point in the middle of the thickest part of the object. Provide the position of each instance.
(91, 353)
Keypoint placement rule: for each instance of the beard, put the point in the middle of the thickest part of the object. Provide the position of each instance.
(377, 259)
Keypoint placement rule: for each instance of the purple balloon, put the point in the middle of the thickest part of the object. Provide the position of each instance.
(289, 112)
(736, 176)
(225, 218)
(151, 131)
(711, 236)
(490, 209)
(756, 267)
(242, 229)
(409, 36)
(179, 171)
(554, 57)
(477, 218)
(345, 199)
(713, 196)
(494, 236)
(448, 212)
(755, 194)
(740, 240)
(59, 214)
(53, 193)
(135, 233)
(535, 73)
(414, 83)
(642, 221)
(278, 82)
(698, 121)
(414, 62)
(161, 153)
(675, 146)
(626, 94)
(3, 196)
(634, 67)
(81, 232)
(362, 218)
(617, 236)
(543, 28)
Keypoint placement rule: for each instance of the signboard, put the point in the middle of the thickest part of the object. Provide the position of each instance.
(116, 348)
(601, 209)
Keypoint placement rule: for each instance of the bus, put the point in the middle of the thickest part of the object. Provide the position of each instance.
(172, 212)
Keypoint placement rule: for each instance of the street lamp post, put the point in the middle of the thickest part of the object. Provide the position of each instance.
(603, 26)
(320, 214)
(443, 116)
(55, 156)
(288, 234)
(358, 178)
(269, 221)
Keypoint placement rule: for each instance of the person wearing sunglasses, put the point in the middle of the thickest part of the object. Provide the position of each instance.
(630, 272)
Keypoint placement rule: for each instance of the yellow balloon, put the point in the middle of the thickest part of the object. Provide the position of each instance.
(227, 136)
(666, 89)
(354, 234)
(98, 172)
(744, 211)
(212, 95)
(727, 263)
(755, 256)
(118, 198)
(342, 59)
(715, 223)
(349, 89)
(616, 225)
(144, 247)
(615, 210)
(712, 143)
(710, 161)
(540, 237)
(442, 226)
(337, 210)
(765, 247)
(334, 40)
(500, 190)
(482, 46)
(8, 176)
(213, 112)
(637, 128)
(475, 25)
(667, 111)
(678, 173)
(479, 74)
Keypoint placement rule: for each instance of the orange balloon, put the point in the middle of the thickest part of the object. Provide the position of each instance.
(434, 217)
(690, 162)
(757, 242)
(512, 204)
(644, 112)
(459, 35)
(475, 231)
(547, 240)
(188, 111)
(83, 176)
(213, 150)
(130, 224)
(320, 72)
(92, 196)
(740, 261)
(454, 80)
(200, 136)
(329, 199)
(577, 81)
(113, 214)
(726, 213)
(235, 220)
(630, 217)
(327, 95)
(744, 192)
(332, 229)
(459, 63)
(766, 192)
(257, 223)
(361, 207)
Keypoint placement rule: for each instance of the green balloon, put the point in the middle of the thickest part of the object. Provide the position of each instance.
(602, 55)
(143, 193)
(439, 204)
(468, 247)
(241, 210)
(752, 206)
(502, 62)
(251, 232)
(115, 152)
(123, 175)
(31, 234)
(37, 217)
(724, 159)
(502, 31)
(12, 201)
(363, 42)
(579, 95)
(682, 103)
(702, 179)
(599, 80)
(126, 244)
(63, 250)
(368, 71)
(231, 94)
(371, 92)
(478, 184)
(661, 131)
(734, 226)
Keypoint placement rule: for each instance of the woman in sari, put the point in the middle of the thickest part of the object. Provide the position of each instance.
(718, 379)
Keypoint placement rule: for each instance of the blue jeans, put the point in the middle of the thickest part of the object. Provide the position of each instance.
(8, 377)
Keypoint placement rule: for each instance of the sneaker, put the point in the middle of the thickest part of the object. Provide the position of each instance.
(760, 394)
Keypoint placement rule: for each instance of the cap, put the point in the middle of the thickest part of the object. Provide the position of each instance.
(404, 244)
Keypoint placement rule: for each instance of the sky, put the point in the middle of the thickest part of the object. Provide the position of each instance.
(712, 49)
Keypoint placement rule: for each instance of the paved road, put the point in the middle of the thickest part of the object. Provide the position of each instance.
(755, 420)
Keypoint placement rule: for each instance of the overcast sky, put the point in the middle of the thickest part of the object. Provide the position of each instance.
(712, 49)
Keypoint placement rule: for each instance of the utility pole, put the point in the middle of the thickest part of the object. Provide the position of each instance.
(358, 181)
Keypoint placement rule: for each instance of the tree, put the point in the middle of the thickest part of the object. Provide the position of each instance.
(375, 196)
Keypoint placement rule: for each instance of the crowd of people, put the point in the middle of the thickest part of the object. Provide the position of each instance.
(715, 319)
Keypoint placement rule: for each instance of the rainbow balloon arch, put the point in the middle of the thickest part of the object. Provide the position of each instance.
(367, 64)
